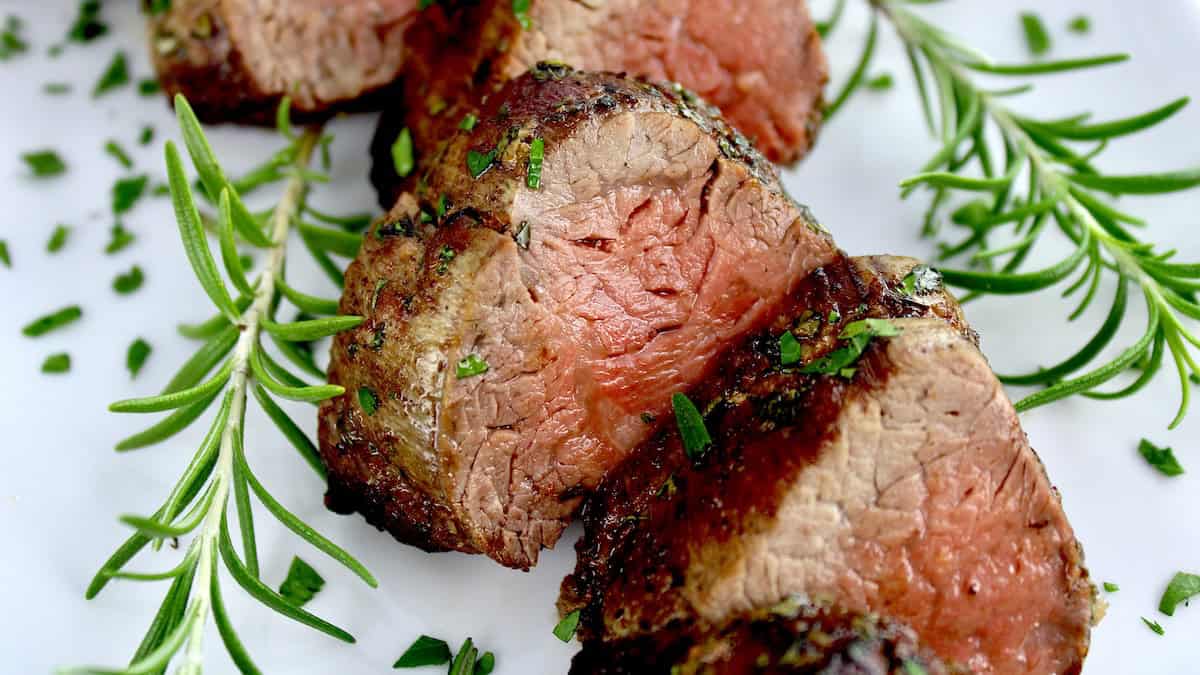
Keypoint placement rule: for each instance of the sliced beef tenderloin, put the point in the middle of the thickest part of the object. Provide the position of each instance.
(901, 485)
(790, 638)
(236, 59)
(519, 340)
(759, 61)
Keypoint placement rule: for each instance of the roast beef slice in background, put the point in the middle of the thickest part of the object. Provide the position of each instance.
(655, 238)
(759, 61)
(235, 60)
(792, 638)
(904, 487)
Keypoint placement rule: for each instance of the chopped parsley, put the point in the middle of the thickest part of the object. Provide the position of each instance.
(922, 280)
(565, 629)
(301, 584)
(1162, 459)
(1153, 625)
(696, 440)
(466, 662)
(127, 191)
(468, 122)
(424, 651)
(130, 281)
(533, 178)
(121, 239)
(914, 668)
(1036, 37)
(479, 162)
(148, 86)
(147, 135)
(118, 153)
(56, 88)
(53, 321)
(5, 258)
(520, 10)
(881, 82)
(87, 25)
(44, 163)
(57, 363)
(789, 349)
(1182, 588)
(1110, 587)
(368, 401)
(445, 257)
(11, 42)
(136, 355)
(486, 664)
(857, 336)
(834, 316)
(402, 153)
(116, 75)
(470, 366)
(1081, 25)
(58, 239)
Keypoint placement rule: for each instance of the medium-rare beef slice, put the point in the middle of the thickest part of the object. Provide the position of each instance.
(908, 490)
(236, 59)
(790, 638)
(759, 61)
(651, 242)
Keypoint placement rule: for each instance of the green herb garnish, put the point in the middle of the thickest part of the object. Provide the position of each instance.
(44, 163)
(486, 664)
(58, 239)
(914, 668)
(479, 162)
(115, 75)
(1036, 37)
(127, 191)
(302, 583)
(470, 366)
(148, 87)
(402, 153)
(789, 349)
(520, 10)
(1162, 459)
(56, 88)
(129, 281)
(1153, 625)
(468, 122)
(692, 432)
(565, 629)
(465, 662)
(53, 321)
(5, 258)
(1183, 587)
(1080, 24)
(424, 651)
(368, 401)
(136, 355)
(57, 363)
(857, 336)
(120, 239)
(147, 135)
(118, 153)
(87, 25)
(533, 178)
(445, 256)
(11, 42)
(881, 82)
(1110, 587)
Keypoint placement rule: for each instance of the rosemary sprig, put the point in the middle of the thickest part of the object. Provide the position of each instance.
(1042, 175)
(198, 505)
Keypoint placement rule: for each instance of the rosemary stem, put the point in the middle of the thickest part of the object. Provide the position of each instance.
(249, 326)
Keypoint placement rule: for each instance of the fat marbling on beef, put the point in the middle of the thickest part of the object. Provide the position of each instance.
(903, 486)
(759, 61)
(236, 59)
(654, 238)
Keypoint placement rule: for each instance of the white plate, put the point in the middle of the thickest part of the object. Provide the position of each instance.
(62, 486)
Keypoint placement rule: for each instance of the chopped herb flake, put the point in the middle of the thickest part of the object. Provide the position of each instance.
(1110, 587)
(42, 325)
(565, 629)
(58, 239)
(87, 25)
(468, 122)
(127, 191)
(115, 75)
(118, 153)
(533, 178)
(402, 153)
(1153, 625)
(464, 661)
(486, 664)
(149, 86)
(44, 163)
(789, 349)
(1080, 24)
(521, 11)
(147, 136)
(479, 162)
(5, 258)
(424, 651)
(1183, 587)
(881, 82)
(696, 440)
(56, 88)
(11, 42)
(57, 363)
(301, 584)
(130, 281)
(368, 401)
(445, 256)
(136, 355)
(1162, 459)
(834, 316)
(470, 366)
(1036, 36)
(121, 239)
(858, 335)
(914, 668)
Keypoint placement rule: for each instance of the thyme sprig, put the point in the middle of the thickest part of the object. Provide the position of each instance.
(1042, 172)
(199, 503)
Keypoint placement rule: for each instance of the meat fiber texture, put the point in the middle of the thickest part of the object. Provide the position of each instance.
(790, 638)
(654, 238)
(235, 60)
(904, 487)
(759, 61)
